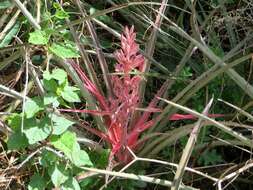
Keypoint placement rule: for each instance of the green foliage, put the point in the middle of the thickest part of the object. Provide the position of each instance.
(69, 94)
(59, 91)
(5, 4)
(41, 124)
(48, 158)
(67, 143)
(59, 75)
(17, 141)
(60, 13)
(58, 174)
(71, 184)
(217, 3)
(210, 158)
(38, 37)
(100, 159)
(127, 185)
(64, 50)
(51, 98)
(61, 47)
(61, 124)
(8, 38)
(36, 130)
(37, 182)
(33, 106)
(90, 183)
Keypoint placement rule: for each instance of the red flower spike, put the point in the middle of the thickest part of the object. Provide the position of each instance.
(128, 57)
(118, 110)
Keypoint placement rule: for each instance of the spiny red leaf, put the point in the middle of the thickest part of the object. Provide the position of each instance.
(90, 86)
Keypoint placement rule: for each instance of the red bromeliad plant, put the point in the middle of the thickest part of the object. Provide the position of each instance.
(117, 111)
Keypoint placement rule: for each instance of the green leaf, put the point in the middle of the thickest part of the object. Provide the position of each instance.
(48, 158)
(37, 131)
(14, 121)
(5, 4)
(65, 143)
(71, 184)
(58, 175)
(46, 75)
(17, 141)
(61, 124)
(81, 158)
(38, 37)
(37, 182)
(33, 106)
(64, 50)
(70, 95)
(9, 36)
(60, 13)
(50, 85)
(51, 98)
(60, 75)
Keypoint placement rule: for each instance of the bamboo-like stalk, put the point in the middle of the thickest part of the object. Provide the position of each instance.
(147, 179)
(246, 167)
(10, 24)
(17, 95)
(136, 158)
(5, 15)
(241, 111)
(38, 7)
(188, 149)
(27, 14)
(10, 92)
(150, 47)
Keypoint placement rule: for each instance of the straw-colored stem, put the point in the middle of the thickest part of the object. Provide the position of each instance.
(27, 14)
(188, 150)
